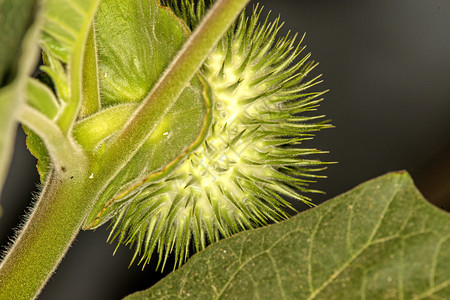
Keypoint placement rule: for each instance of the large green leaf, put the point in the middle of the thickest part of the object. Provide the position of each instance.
(381, 240)
(17, 56)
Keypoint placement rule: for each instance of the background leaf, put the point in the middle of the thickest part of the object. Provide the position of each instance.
(381, 240)
(17, 42)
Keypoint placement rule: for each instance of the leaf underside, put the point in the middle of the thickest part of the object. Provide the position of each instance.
(381, 240)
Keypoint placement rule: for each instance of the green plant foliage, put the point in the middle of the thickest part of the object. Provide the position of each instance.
(17, 56)
(381, 240)
(251, 156)
(65, 26)
(135, 41)
(40, 97)
(169, 121)
(151, 36)
(122, 61)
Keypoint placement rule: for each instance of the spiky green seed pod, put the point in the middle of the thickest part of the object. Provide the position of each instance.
(252, 157)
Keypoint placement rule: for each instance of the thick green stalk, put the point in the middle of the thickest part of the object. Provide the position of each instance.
(61, 148)
(47, 235)
(56, 219)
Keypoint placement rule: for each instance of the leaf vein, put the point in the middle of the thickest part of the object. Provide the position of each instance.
(222, 290)
(277, 273)
(434, 261)
(433, 290)
(364, 247)
(77, 8)
(70, 31)
(311, 243)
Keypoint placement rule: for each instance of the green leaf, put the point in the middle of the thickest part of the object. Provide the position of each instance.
(130, 57)
(90, 103)
(66, 28)
(381, 240)
(66, 24)
(136, 40)
(40, 97)
(17, 57)
(37, 148)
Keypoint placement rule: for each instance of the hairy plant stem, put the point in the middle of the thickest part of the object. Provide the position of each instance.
(70, 192)
(47, 235)
(61, 148)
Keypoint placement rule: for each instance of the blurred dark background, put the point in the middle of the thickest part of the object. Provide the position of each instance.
(387, 65)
